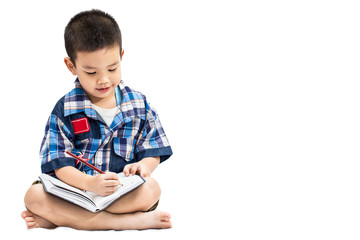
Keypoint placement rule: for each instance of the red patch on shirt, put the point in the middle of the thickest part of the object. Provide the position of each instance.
(81, 125)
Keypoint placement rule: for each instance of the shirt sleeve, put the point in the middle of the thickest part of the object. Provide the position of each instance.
(54, 145)
(152, 141)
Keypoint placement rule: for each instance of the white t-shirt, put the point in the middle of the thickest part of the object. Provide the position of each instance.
(106, 114)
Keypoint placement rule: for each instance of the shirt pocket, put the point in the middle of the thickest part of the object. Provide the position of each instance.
(125, 148)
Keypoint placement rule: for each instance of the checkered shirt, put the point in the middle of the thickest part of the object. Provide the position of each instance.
(73, 125)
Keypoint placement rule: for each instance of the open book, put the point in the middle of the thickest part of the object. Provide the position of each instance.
(89, 200)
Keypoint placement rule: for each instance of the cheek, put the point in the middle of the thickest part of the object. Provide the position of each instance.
(116, 79)
(85, 82)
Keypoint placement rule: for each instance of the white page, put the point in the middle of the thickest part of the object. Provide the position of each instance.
(61, 184)
(128, 183)
(90, 200)
(67, 192)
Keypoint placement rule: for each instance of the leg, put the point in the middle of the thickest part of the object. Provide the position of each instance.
(34, 221)
(57, 212)
(139, 200)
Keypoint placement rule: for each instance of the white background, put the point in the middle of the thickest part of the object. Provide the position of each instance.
(259, 99)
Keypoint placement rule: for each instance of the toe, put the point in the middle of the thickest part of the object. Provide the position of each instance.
(165, 217)
(166, 224)
(29, 219)
(26, 213)
(30, 225)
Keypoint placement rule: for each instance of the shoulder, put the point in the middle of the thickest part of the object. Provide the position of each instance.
(133, 102)
(57, 115)
(58, 109)
(131, 94)
(69, 102)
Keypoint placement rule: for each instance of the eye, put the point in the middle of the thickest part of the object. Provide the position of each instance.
(90, 73)
(111, 70)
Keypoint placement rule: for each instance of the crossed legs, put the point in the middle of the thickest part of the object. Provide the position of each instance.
(48, 211)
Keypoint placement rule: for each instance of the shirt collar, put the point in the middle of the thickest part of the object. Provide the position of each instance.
(131, 103)
(77, 101)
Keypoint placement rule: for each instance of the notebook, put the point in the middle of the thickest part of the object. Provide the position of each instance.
(89, 200)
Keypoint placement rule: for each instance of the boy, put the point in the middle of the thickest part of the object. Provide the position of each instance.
(106, 122)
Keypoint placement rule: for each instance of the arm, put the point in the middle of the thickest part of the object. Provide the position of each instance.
(152, 146)
(144, 167)
(102, 184)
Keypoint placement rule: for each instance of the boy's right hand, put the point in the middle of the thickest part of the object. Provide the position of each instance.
(104, 184)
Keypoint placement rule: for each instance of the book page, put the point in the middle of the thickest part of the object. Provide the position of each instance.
(129, 183)
(65, 187)
(89, 200)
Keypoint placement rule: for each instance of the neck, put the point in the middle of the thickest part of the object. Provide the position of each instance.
(104, 102)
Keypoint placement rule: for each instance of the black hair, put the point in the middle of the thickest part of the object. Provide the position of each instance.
(89, 31)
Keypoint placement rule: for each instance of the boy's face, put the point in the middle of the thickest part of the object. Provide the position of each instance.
(99, 73)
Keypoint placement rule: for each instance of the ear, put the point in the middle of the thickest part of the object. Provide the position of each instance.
(70, 66)
(122, 54)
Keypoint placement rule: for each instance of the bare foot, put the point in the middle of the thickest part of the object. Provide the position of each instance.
(152, 220)
(35, 221)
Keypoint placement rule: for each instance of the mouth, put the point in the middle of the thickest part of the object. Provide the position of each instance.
(103, 90)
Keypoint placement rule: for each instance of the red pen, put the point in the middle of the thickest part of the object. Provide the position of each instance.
(84, 162)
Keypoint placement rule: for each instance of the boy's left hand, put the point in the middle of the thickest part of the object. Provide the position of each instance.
(137, 168)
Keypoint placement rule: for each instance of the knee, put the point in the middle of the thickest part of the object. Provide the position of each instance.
(153, 187)
(153, 192)
(34, 196)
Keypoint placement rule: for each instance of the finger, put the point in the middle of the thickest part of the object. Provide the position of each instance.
(108, 193)
(110, 189)
(112, 183)
(111, 176)
(146, 174)
(143, 172)
(105, 194)
(126, 169)
(134, 169)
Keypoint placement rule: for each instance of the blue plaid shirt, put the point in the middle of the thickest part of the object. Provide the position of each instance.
(73, 125)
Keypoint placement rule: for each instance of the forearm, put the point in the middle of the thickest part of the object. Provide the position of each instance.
(73, 177)
(150, 162)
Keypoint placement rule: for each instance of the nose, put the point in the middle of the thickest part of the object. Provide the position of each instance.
(102, 80)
